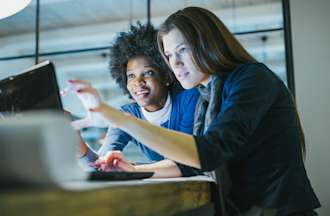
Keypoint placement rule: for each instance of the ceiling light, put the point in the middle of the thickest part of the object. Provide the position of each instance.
(11, 7)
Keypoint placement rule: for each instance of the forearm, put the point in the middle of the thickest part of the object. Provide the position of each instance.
(86, 152)
(162, 169)
(174, 145)
(87, 158)
(83, 146)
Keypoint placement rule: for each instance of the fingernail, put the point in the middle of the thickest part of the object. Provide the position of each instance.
(115, 162)
(62, 93)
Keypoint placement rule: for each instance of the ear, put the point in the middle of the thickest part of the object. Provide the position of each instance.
(168, 80)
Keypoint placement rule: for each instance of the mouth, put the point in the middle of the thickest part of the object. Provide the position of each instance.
(142, 93)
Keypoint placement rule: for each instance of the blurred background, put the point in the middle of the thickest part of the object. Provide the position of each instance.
(76, 34)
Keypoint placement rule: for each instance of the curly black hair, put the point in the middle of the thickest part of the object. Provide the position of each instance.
(140, 40)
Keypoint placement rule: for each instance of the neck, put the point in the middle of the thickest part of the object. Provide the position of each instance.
(154, 107)
(159, 116)
(207, 80)
(157, 106)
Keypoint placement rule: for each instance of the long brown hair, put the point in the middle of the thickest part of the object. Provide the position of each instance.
(215, 49)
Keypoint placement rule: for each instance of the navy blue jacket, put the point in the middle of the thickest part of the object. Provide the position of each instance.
(257, 134)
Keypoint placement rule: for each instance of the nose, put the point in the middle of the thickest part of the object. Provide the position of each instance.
(139, 81)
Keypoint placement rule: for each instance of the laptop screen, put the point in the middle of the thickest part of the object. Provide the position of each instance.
(34, 89)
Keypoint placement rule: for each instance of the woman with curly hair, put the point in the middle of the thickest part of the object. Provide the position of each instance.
(139, 70)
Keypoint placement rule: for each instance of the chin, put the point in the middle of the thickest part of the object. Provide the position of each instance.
(141, 103)
(187, 85)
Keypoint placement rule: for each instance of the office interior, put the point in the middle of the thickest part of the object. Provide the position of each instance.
(292, 37)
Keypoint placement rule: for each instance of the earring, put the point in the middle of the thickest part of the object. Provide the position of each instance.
(167, 84)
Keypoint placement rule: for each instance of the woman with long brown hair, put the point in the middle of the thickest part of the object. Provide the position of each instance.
(245, 118)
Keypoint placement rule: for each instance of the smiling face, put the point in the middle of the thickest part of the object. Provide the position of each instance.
(179, 55)
(145, 83)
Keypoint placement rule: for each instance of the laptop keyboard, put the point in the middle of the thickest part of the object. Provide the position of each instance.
(118, 176)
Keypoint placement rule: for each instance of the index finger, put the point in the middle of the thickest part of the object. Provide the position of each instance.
(78, 81)
(88, 90)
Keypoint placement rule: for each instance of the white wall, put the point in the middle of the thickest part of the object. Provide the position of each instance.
(311, 50)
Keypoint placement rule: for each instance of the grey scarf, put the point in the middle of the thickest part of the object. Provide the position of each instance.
(208, 104)
(207, 107)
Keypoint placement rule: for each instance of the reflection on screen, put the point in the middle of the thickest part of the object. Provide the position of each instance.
(35, 89)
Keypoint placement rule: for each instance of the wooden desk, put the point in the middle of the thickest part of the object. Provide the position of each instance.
(147, 198)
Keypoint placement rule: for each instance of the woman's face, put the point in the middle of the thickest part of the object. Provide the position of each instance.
(179, 55)
(145, 84)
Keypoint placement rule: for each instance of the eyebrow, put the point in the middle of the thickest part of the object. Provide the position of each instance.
(180, 44)
(146, 66)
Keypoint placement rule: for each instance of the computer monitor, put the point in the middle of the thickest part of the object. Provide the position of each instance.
(34, 89)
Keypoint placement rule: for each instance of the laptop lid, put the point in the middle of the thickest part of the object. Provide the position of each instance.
(34, 89)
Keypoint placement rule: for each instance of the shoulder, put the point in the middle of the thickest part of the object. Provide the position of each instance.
(253, 76)
(186, 94)
(132, 108)
(186, 98)
(252, 79)
(256, 71)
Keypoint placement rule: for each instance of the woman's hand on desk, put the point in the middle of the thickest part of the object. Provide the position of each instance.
(114, 161)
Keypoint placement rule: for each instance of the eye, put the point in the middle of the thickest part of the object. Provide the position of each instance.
(149, 73)
(130, 76)
(182, 50)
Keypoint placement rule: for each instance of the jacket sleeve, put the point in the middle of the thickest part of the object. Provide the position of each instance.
(116, 139)
(247, 96)
(89, 157)
(187, 171)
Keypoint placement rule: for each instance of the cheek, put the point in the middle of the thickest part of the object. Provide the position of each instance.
(188, 60)
(171, 62)
(129, 88)
(154, 83)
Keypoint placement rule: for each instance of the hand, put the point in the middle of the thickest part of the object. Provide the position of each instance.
(90, 98)
(114, 161)
(99, 114)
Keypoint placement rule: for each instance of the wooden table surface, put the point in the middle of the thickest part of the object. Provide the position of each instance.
(151, 198)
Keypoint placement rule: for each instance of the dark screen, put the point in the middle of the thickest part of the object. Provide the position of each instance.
(36, 89)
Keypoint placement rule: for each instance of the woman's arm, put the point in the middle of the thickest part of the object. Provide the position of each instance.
(83, 147)
(162, 169)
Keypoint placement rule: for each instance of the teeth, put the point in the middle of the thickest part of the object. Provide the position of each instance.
(142, 92)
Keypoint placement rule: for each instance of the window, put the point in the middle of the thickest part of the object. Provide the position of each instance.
(76, 34)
